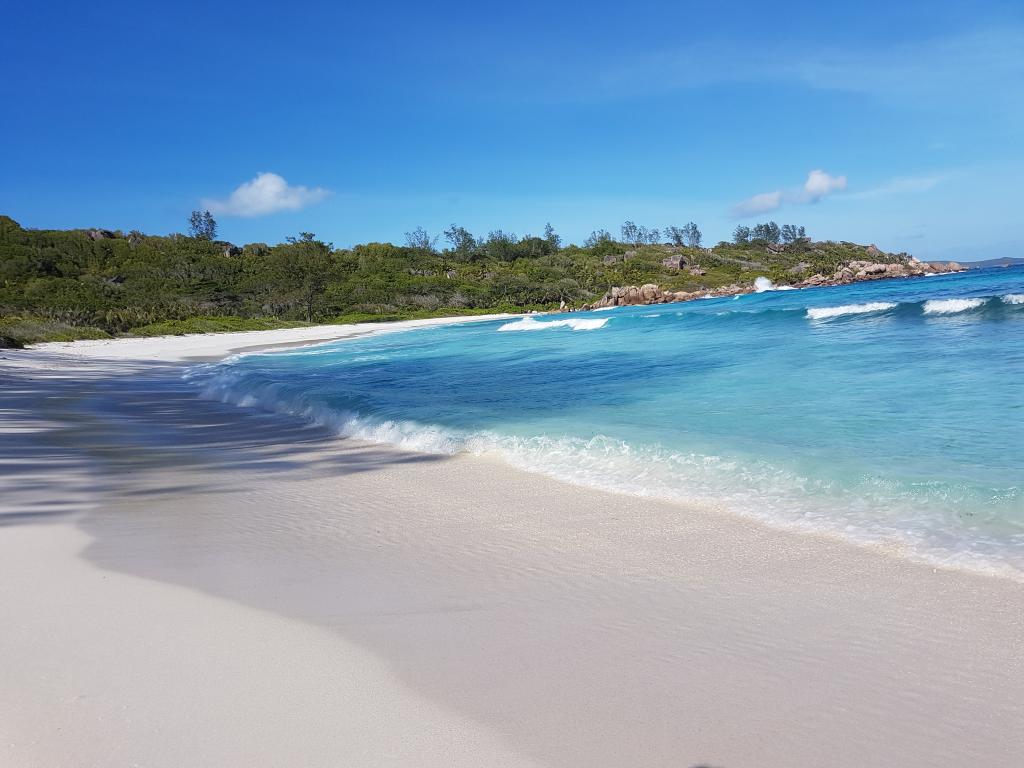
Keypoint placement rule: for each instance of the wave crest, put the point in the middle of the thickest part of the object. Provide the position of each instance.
(576, 324)
(1013, 298)
(951, 306)
(826, 313)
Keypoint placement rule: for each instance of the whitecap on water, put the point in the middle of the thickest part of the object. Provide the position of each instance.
(826, 313)
(951, 306)
(576, 324)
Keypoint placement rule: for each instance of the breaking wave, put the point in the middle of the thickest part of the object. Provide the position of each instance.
(951, 306)
(576, 324)
(901, 517)
(826, 313)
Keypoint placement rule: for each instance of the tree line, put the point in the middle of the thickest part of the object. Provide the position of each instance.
(769, 232)
(114, 282)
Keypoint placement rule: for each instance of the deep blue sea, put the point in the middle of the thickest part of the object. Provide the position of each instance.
(889, 412)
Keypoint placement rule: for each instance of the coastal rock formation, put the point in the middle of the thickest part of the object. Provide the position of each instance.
(851, 272)
(946, 266)
(631, 294)
(229, 250)
(856, 271)
(649, 293)
(846, 272)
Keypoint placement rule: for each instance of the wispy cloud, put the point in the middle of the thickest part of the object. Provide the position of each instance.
(265, 194)
(818, 185)
(900, 185)
(762, 203)
(976, 69)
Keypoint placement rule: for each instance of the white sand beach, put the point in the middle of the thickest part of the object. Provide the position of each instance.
(184, 582)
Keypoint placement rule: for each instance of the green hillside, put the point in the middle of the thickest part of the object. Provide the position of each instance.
(62, 285)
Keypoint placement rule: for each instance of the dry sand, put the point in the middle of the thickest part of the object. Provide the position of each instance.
(183, 582)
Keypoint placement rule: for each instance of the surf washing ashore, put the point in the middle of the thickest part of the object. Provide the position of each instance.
(779, 529)
(887, 413)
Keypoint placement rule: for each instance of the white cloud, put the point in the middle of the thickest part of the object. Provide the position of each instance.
(766, 201)
(265, 194)
(818, 185)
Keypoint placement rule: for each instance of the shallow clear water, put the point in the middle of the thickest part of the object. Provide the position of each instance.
(889, 412)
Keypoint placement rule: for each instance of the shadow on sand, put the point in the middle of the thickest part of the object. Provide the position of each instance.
(71, 432)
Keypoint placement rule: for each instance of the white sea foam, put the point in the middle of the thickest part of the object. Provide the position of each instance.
(602, 309)
(576, 324)
(754, 488)
(951, 306)
(1013, 298)
(826, 313)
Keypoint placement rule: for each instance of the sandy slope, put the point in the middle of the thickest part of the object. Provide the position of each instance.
(269, 595)
(218, 345)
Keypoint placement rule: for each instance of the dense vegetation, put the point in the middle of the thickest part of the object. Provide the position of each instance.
(60, 285)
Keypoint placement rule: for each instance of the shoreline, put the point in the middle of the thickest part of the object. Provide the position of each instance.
(179, 352)
(880, 542)
(208, 347)
(546, 624)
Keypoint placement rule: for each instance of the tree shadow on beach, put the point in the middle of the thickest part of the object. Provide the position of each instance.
(73, 431)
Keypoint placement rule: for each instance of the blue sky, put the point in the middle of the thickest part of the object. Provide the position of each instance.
(370, 120)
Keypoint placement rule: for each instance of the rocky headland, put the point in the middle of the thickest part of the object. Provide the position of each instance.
(850, 272)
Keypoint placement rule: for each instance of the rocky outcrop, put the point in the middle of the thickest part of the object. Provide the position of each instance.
(675, 262)
(649, 293)
(856, 271)
(229, 250)
(629, 295)
(852, 272)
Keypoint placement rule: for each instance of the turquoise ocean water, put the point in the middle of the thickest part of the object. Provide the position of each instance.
(889, 412)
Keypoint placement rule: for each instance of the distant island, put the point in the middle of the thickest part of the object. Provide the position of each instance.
(1006, 261)
(61, 285)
